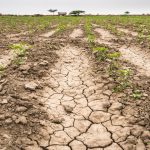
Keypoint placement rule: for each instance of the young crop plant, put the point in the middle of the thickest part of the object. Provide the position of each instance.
(113, 68)
(120, 76)
(61, 28)
(114, 55)
(137, 94)
(88, 31)
(90, 38)
(101, 53)
(2, 69)
(18, 61)
(20, 49)
(122, 80)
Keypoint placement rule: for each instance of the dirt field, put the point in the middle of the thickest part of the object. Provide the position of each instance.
(74, 83)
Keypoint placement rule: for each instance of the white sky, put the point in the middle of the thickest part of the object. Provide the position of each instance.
(90, 6)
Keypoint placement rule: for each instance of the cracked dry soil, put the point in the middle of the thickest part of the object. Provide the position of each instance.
(83, 113)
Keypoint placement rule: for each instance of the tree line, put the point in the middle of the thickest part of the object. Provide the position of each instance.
(74, 12)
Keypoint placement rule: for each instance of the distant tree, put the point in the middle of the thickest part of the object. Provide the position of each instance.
(52, 11)
(127, 13)
(76, 12)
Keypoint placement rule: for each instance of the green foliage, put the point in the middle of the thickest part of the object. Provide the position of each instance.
(2, 68)
(76, 12)
(61, 28)
(124, 73)
(91, 38)
(89, 34)
(136, 94)
(100, 49)
(114, 55)
(127, 13)
(18, 61)
(20, 49)
(122, 80)
(101, 52)
(113, 67)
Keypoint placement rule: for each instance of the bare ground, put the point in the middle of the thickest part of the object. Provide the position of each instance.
(57, 100)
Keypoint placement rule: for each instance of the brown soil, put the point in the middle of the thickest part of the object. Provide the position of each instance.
(60, 100)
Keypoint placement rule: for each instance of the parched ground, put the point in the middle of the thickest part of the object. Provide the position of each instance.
(58, 100)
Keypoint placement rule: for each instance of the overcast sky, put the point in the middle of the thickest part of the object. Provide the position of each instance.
(90, 6)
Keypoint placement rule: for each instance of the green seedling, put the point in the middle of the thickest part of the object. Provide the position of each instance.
(91, 38)
(19, 49)
(113, 67)
(101, 52)
(61, 28)
(100, 49)
(119, 87)
(136, 94)
(18, 61)
(2, 68)
(124, 73)
(114, 55)
(122, 79)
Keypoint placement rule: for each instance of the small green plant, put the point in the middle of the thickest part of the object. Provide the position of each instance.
(20, 49)
(113, 67)
(100, 49)
(18, 61)
(136, 94)
(101, 52)
(122, 79)
(61, 28)
(124, 73)
(91, 38)
(2, 68)
(114, 55)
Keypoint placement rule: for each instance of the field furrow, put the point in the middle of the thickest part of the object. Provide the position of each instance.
(74, 86)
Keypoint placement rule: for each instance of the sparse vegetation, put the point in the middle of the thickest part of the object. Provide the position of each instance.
(20, 49)
(136, 94)
(75, 76)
